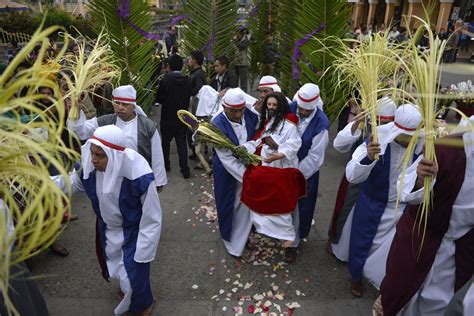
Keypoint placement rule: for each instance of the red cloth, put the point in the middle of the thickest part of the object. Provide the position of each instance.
(341, 195)
(272, 191)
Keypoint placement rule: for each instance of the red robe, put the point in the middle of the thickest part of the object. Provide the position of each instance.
(407, 266)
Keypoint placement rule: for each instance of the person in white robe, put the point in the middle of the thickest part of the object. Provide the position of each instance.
(238, 123)
(278, 142)
(375, 213)
(345, 140)
(438, 287)
(313, 126)
(141, 132)
(120, 184)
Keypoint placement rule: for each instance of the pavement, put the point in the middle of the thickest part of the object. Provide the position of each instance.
(193, 275)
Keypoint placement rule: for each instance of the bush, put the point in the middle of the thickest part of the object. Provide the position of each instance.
(27, 22)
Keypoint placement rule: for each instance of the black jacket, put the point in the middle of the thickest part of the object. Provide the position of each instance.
(228, 81)
(198, 79)
(173, 94)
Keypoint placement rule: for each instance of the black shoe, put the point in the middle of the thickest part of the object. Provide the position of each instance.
(290, 255)
(186, 174)
(167, 168)
(193, 157)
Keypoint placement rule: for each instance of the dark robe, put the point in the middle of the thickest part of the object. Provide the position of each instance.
(410, 259)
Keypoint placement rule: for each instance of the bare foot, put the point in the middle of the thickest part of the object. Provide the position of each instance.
(377, 308)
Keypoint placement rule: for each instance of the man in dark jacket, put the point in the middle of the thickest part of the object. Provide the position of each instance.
(198, 79)
(174, 92)
(170, 39)
(270, 56)
(225, 78)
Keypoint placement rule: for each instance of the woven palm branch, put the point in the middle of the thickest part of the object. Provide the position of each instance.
(423, 70)
(31, 199)
(133, 54)
(89, 70)
(210, 27)
(366, 69)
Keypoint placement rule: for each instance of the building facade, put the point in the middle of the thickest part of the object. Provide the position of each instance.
(401, 12)
(80, 6)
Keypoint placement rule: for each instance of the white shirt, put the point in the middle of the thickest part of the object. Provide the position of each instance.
(358, 173)
(345, 140)
(310, 164)
(288, 140)
(150, 222)
(85, 129)
(233, 165)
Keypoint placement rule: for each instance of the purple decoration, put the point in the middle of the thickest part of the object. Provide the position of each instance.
(297, 52)
(208, 46)
(124, 13)
(178, 19)
(192, 123)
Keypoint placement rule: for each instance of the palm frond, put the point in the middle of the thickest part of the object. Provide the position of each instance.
(210, 27)
(30, 198)
(132, 51)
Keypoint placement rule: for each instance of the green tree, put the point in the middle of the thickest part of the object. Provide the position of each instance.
(134, 54)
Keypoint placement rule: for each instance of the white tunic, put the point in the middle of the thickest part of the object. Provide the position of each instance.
(438, 288)
(241, 223)
(310, 164)
(374, 268)
(148, 236)
(287, 138)
(345, 140)
(468, 302)
(85, 129)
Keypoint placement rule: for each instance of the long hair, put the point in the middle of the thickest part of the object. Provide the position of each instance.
(283, 110)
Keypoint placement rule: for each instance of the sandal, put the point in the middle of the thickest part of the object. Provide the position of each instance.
(58, 250)
(356, 288)
(147, 312)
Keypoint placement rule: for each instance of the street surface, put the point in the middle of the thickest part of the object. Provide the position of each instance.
(192, 273)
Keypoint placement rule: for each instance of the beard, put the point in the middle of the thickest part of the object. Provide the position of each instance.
(271, 113)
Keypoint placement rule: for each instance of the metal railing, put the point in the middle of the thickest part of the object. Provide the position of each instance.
(6, 37)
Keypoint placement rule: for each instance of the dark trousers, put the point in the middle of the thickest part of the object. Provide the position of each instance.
(179, 135)
(242, 75)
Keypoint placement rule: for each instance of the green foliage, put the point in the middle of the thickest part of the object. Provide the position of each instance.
(27, 22)
(335, 16)
(290, 21)
(259, 25)
(210, 23)
(133, 53)
(286, 36)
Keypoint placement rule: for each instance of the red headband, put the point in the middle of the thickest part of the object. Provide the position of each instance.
(110, 145)
(308, 100)
(381, 117)
(404, 128)
(267, 84)
(124, 99)
(234, 105)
